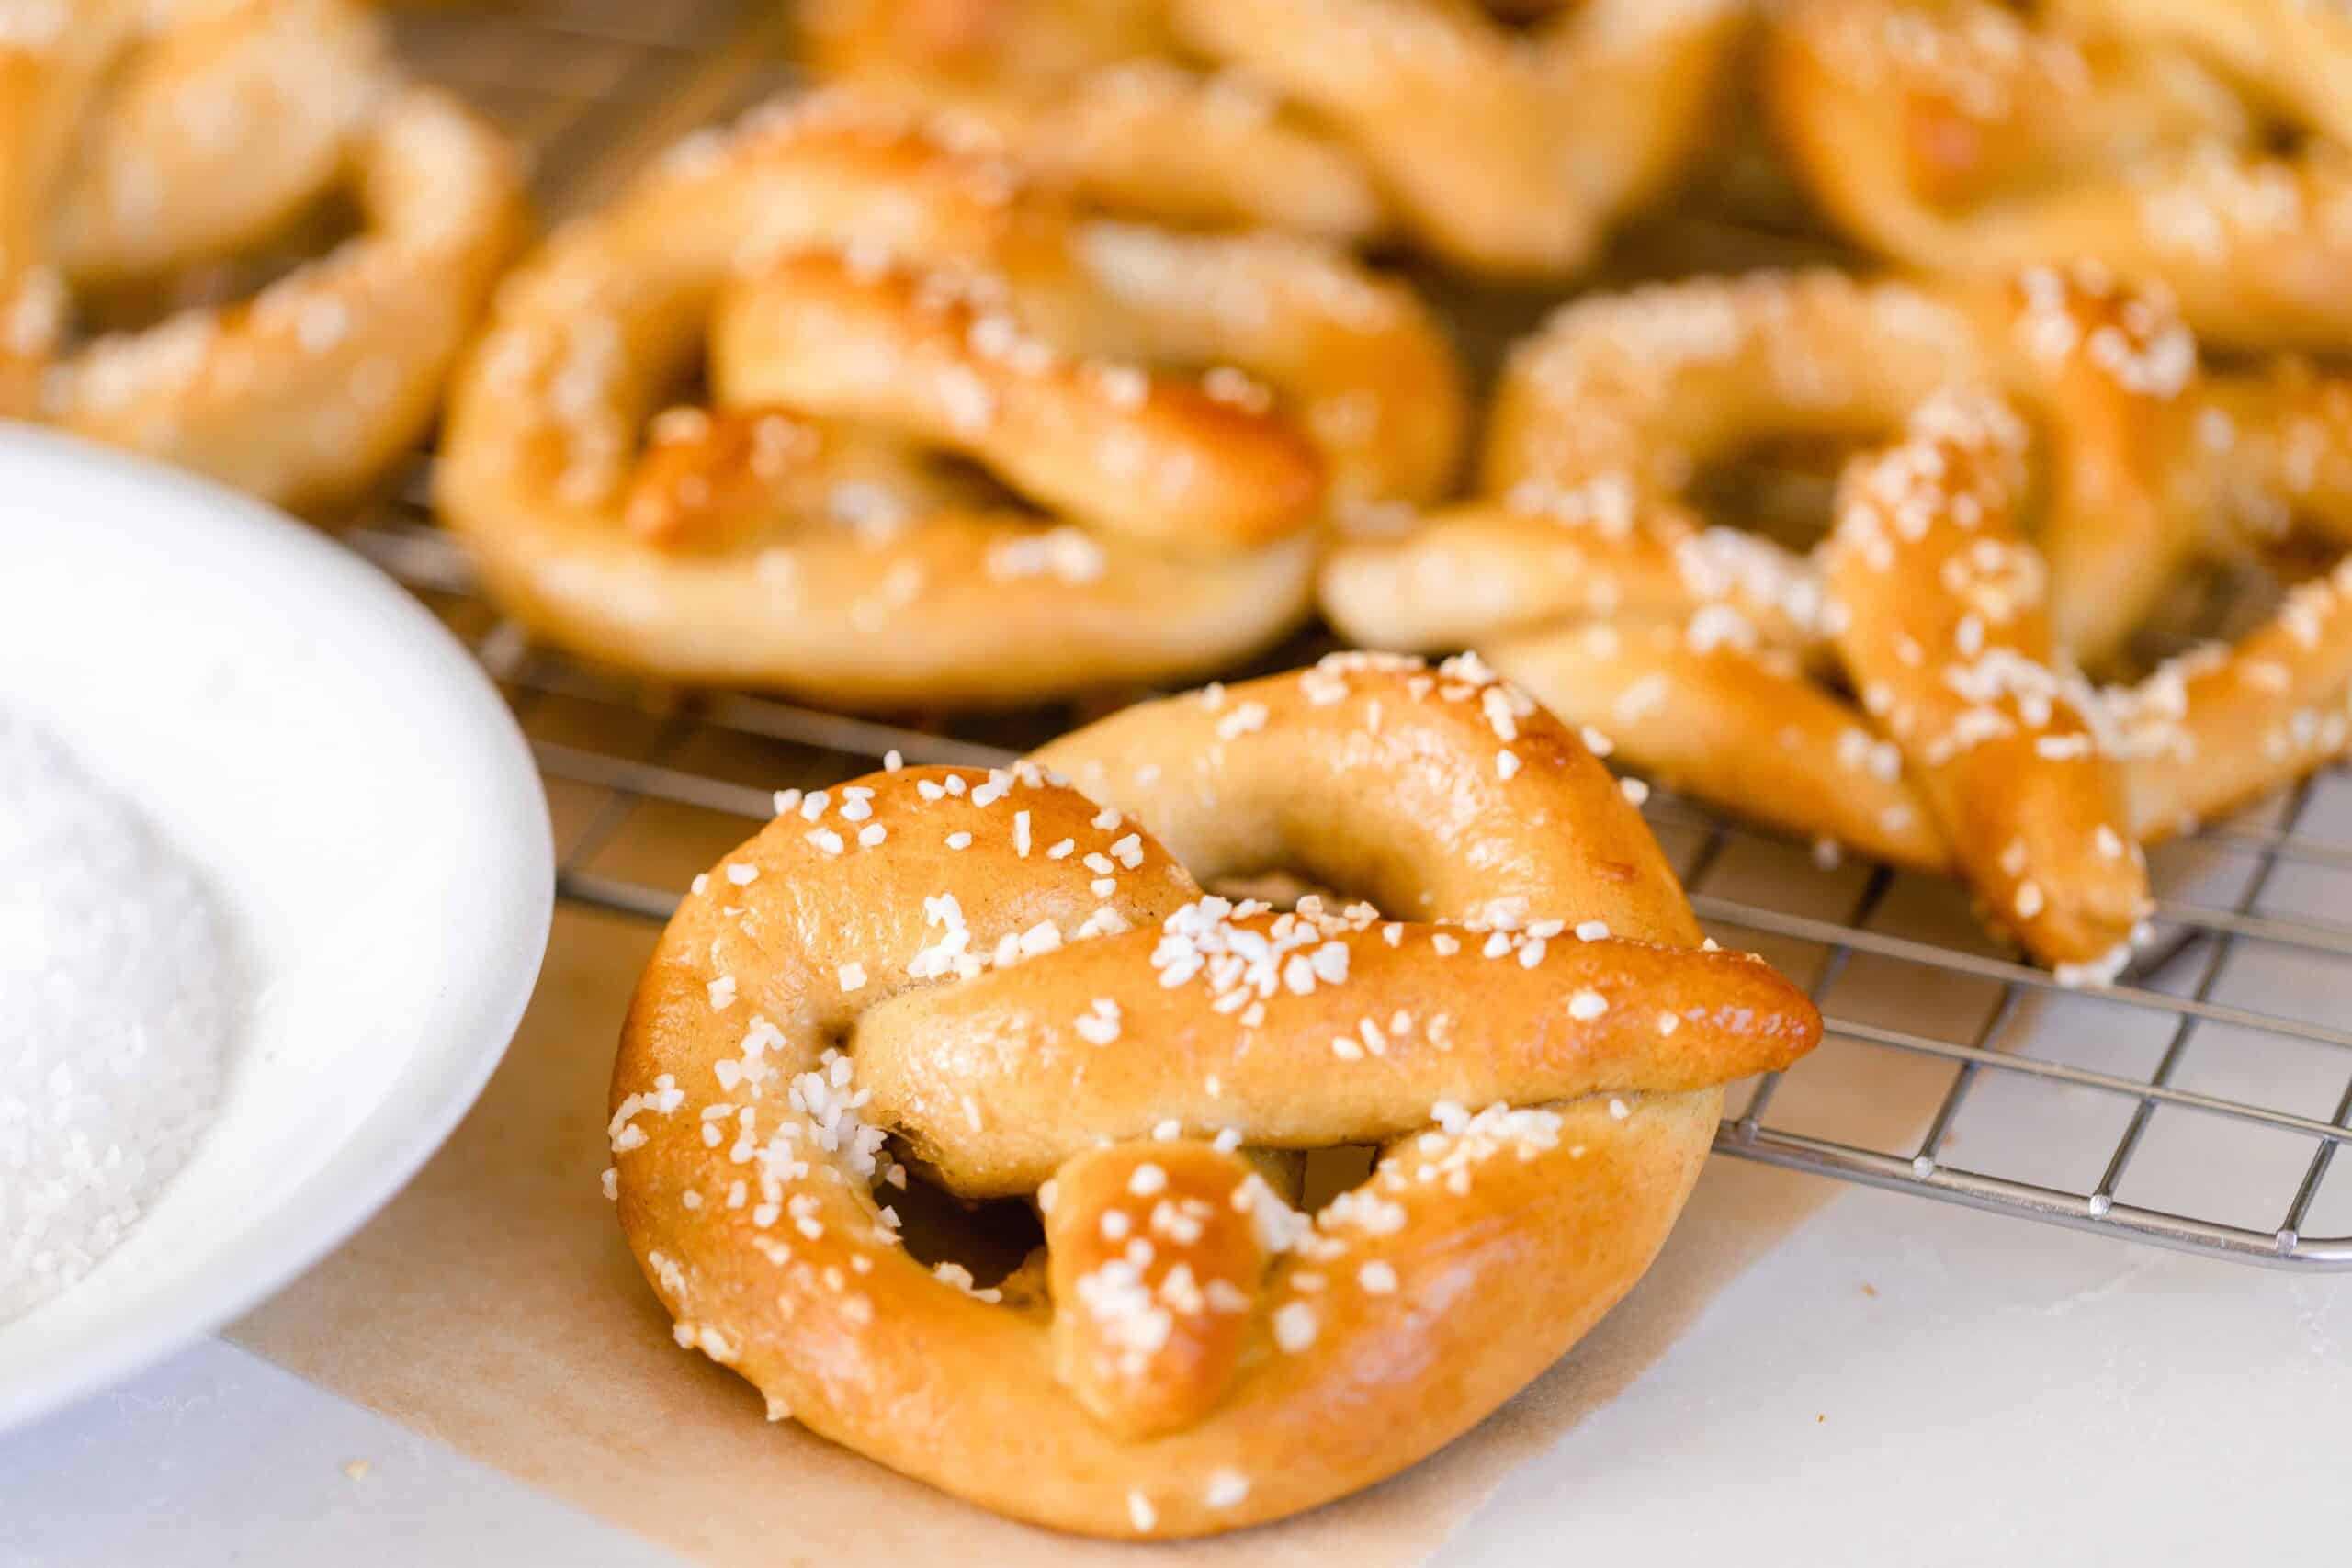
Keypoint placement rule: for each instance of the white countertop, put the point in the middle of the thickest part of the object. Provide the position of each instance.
(2000, 1392)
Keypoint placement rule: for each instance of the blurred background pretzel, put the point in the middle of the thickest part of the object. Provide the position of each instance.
(144, 147)
(1723, 662)
(2201, 145)
(1507, 139)
(1606, 416)
(1006, 986)
(963, 446)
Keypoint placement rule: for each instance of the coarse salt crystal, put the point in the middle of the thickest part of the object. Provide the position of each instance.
(119, 999)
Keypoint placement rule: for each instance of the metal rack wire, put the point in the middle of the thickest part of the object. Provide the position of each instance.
(2198, 1103)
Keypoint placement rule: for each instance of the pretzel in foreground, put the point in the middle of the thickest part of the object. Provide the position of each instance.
(871, 298)
(144, 143)
(1711, 658)
(1962, 137)
(997, 984)
(1502, 148)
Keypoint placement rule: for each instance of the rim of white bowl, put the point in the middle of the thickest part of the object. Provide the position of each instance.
(473, 1019)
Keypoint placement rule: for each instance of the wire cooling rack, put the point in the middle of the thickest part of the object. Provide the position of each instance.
(2198, 1103)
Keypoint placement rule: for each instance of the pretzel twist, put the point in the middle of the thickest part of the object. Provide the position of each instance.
(140, 142)
(871, 296)
(1016, 989)
(1962, 136)
(1605, 416)
(1705, 656)
(1938, 603)
(1504, 150)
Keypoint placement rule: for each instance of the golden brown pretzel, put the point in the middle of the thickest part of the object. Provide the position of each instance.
(139, 141)
(2218, 727)
(1962, 137)
(1972, 745)
(1091, 95)
(1701, 653)
(1604, 416)
(874, 294)
(1510, 151)
(1018, 988)
(1941, 624)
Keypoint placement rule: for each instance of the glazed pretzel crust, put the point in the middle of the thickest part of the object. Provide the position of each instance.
(873, 293)
(1962, 136)
(305, 394)
(1029, 990)
(1509, 152)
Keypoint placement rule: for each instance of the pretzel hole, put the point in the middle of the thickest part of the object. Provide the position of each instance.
(1781, 485)
(1329, 1172)
(1282, 890)
(991, 1239)
(135, 303)
(2222, 604)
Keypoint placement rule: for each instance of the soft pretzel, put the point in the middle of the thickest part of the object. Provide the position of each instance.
(1012, 987)
(2220, 726)
(138, 142)
(1504, 149)
(1091, 97)
(1604, 417)
(1941, 624)
(873, 296)
(1973, 746)
(1708, 657)
(1962, 137)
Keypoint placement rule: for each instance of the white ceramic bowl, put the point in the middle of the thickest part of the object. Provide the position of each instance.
(364, 810)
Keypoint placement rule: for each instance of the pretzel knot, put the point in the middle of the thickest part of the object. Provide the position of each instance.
(1963, 136)
(1964, 736)
(1509, 149)
(1606, 416)
(143, 144)
(871, 297)
(1009, 987)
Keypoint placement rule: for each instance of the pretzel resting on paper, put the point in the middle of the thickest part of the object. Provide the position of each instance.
(1963, 136)
(1714, 659)
(1502, 148)
(141, 144)
(1012, 983)
(883, 311)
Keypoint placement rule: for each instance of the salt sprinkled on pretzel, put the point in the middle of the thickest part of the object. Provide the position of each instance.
(1708, 657)
(1964, 138)
(872, 294)
(1004, 985)
(1603, 418)
(146, 140)
(1926, 558)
